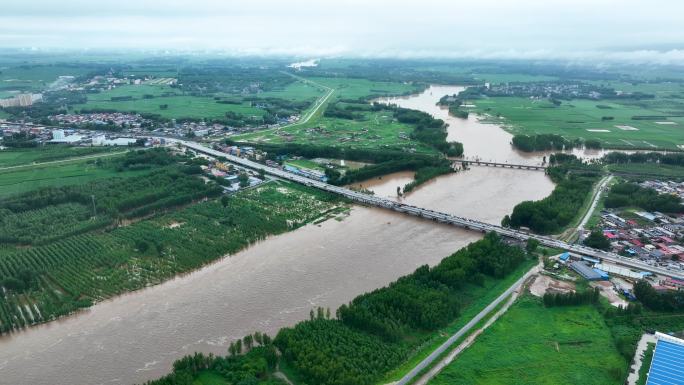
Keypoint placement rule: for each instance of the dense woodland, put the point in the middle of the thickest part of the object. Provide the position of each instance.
(571, 299)
(597, 240)
(676, 159)
(669, 301)
(384, 161)
(553, 213)
(543, 142)
(632, 195)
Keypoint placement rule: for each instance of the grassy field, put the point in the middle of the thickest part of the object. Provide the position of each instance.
(297, 91)
(584, 119)
(35, 78)
(26, 179)
(478, 300)
(649, 169)
(16, 157)
(532, 344)
(348, 88)
(305, 163)
(179, 106)
(376, 130)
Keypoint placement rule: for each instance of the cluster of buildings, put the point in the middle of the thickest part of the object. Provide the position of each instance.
(665, 187)
(655, 239)
(21, 100)
(87, 138)
(560, 90)
(306, 172)
(119, 119)
(228, 173)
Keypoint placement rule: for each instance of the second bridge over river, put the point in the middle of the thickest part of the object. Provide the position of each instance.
(495, 164)
(466, 223)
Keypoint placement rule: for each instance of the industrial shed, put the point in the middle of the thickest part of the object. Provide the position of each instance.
(667, 366)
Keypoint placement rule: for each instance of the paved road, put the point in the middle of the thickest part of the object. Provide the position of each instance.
(320, 102)
(633, 376)
(597, 197)
(465, 329)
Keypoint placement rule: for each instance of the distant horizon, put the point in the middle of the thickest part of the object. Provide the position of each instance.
(672, 57)
(599, 31)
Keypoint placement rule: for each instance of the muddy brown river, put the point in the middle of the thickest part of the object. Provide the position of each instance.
(136, 337)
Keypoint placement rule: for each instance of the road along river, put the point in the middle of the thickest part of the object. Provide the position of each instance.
(274, 283)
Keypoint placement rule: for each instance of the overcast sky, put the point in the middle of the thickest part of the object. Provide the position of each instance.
(651, 30)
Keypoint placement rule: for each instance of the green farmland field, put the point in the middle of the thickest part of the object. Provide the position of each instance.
(297, 91)
(652, 123)
(376, 130)
(26, 179)
(179, 106)
(532, 344)
(11, 157)
(349, 88)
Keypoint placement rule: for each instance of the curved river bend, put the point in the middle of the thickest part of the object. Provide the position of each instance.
(136, 337)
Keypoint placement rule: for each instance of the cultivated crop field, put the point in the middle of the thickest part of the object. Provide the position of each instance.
(62, 275)
(532, 344)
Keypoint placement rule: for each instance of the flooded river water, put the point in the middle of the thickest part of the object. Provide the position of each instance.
(137, 336)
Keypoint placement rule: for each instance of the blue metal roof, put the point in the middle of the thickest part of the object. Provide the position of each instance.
(667, 367)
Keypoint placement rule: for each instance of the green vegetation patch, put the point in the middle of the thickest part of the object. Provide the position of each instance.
(166, 101)
(615, 124)
(72, 272)
(26, 156)
(532, 344)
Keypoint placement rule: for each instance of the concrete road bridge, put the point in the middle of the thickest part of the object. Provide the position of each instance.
(501, 165)
(465, 223)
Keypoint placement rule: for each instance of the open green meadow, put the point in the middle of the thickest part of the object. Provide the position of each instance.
(352, 88)
(297, 91)
(628, 123)
(532, 344)
(26, 156)
(376, 129)
(20, 180)
(177, 104)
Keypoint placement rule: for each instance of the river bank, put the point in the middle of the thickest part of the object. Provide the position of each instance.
(272, 284)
